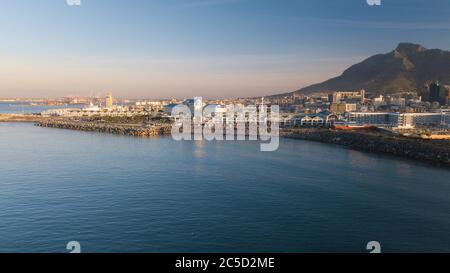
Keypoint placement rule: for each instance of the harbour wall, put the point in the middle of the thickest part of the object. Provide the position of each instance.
(118, 129)
(432, 151)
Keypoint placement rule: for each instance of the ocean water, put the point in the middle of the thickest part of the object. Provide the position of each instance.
(124, 194)
(25, 108)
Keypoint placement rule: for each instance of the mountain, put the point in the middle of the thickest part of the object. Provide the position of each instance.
(408, 68)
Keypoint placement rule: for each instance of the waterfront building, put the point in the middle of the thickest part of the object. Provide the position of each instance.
(342, 107)
(398, 102)
(94, 110)
(195, 105)
(312, 120)
(400, 120)
(91, 108)
(420, 119)
(447, 119)
(168, 108)
(412, 120)
(372, 118)
(354, 96)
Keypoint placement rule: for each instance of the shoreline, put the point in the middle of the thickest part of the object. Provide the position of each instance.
(136, 130)
(436, 152)
(20, 118)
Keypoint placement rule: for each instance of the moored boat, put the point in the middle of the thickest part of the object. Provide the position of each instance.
(351, 126)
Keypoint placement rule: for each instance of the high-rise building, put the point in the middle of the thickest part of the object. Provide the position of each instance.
(109, 100)
(439, 93)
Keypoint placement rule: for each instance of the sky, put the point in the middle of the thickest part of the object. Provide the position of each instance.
(209, 48)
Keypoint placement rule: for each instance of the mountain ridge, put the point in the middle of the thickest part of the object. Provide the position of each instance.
(409, 67)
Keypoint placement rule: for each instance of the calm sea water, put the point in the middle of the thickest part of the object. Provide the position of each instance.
(124, 194)
(25, 108)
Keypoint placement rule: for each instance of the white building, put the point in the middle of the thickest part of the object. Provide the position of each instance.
(401, 120)
(313, 121)
(412, 120)
(372, 118)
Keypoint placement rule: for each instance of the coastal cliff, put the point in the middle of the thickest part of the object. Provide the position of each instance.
(433, 151)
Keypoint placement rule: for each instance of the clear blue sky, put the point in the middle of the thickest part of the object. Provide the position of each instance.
(212, 48)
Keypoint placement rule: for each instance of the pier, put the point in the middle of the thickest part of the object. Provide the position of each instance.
(138, 130)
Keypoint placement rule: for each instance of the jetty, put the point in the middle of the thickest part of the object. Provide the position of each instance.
(435, 151)
(138, 130)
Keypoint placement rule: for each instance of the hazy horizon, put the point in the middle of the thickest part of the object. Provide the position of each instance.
(210, 48)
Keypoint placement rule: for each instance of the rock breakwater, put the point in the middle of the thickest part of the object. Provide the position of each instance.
(434, 151)
(118, 129)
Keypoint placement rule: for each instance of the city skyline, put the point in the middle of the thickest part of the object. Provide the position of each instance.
(214, 49)
(225, 135)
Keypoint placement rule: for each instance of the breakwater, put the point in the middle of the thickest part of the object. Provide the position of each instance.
(433, 151)
(20, 118)
(138, 130)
